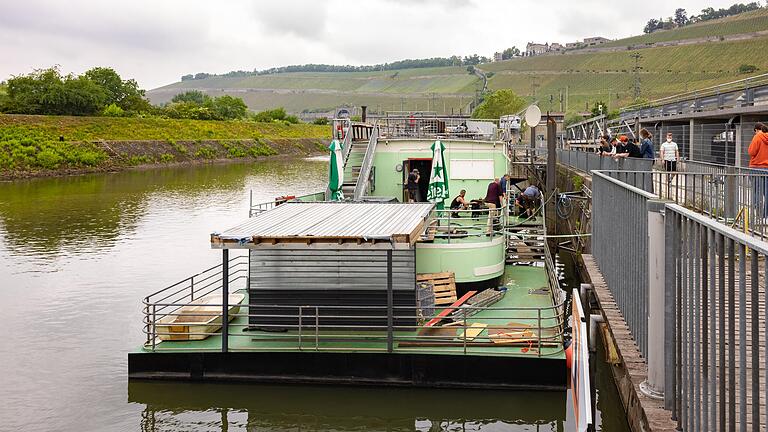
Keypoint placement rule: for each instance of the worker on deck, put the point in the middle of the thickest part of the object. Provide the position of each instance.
(414, 194)
(529, 201)
(493, 201)
(459, 203)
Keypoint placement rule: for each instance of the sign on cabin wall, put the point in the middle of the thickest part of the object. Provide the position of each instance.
(581, 393)
(471, 169)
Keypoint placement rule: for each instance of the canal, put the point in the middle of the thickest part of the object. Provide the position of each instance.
(77, 254)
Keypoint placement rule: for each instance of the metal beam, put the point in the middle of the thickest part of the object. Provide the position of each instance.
(224, 300)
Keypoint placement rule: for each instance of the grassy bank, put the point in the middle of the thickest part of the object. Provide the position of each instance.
(51, 145)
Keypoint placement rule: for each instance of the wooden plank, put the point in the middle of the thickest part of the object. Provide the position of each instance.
(445, 312)
(473, 331)
(427, 276)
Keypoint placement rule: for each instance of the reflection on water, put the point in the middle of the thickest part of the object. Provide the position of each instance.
(289, 408)
(78, 254)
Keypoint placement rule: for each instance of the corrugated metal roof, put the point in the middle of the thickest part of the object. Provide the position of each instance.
(327, 220)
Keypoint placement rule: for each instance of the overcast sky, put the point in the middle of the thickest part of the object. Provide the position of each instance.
(156, 42)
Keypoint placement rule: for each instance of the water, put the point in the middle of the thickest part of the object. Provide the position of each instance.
(77, 255)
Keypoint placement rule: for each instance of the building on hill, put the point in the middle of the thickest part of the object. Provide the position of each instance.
(556, 47)
(534, 49)
(497, 57)
(597, 40)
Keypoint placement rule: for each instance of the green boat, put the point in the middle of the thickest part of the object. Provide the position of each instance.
(378, 288)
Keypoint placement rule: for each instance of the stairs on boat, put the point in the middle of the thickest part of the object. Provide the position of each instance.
(353, 165)
(525, 243)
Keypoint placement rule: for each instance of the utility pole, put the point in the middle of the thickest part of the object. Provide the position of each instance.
(561, 100)
(636, 71)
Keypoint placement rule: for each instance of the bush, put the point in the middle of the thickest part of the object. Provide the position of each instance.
(322, 121)
(112, 110)
(167, 157)
(49, 159)
(292, 119)
(269, 116)
(747, 68)
(140, 160)
(205, 152)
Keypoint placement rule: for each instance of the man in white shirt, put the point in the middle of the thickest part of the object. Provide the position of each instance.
(669, 153)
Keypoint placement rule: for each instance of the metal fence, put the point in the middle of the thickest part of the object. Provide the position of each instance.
(539, 330)
(620, 247)
(258, 208)
(714, 291)
(736, 197)
(428, 127)
(714, 334)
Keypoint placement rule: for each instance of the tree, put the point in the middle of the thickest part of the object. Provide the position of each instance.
(653, 25)
(46, 91)
(510, 53)
(499, 103)
(681, 17)
(227, 108)
(747, 68)
(194, 96)
(124, 93)
(599, 108)
(187, 77)
(472, 60)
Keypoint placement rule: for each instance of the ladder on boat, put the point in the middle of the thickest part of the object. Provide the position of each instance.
(526, 241)
(360, 147)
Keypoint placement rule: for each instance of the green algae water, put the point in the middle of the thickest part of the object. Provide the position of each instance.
(77, 255)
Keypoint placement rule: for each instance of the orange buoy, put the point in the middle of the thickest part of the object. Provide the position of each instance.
(569, 356)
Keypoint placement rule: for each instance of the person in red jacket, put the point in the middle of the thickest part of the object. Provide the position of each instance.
(758, 159)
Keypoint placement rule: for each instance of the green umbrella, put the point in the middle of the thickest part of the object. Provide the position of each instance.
(336, 172)
(438, 178)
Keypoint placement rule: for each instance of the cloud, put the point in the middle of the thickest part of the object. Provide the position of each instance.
(156, 42)
(305, 20)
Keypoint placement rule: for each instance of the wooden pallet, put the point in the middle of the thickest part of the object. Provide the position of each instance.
(444, 286)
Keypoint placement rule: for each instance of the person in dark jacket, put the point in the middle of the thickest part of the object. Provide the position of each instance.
(646, 145)
(414, 194)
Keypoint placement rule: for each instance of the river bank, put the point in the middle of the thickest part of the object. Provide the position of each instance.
(123, 155)
(46, 146)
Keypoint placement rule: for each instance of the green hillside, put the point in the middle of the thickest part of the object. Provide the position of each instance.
(588, 76)
(422, 89)
(608, 76)
(748, 22)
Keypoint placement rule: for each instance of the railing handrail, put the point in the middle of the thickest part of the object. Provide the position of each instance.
(363, 178)
(706, 91)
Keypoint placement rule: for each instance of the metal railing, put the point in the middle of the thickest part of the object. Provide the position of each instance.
(258, 208)
(438, 127)
(620, 245)
(167, 301)
(480, 225)
(734, 197)
(338, 328)
(729, 87)
(267, 327)
(714, 282)
(715, 325)
(364, 177)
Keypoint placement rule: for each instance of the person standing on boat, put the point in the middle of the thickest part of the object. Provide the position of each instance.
(493, 201)
(414, 194)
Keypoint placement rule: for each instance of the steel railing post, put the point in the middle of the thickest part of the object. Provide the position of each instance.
(317, 328)
(299, 328)
(225, 300)
(390, 303)
(153, 326)
(655, 319)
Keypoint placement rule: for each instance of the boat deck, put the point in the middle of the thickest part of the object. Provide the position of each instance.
(527, 297)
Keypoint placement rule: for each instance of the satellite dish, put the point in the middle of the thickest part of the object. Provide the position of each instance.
(533, 116)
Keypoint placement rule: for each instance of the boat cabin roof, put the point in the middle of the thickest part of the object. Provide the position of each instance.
(306, 223)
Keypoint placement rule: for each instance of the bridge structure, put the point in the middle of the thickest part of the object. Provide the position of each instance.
(713, 124)
(678, 269)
